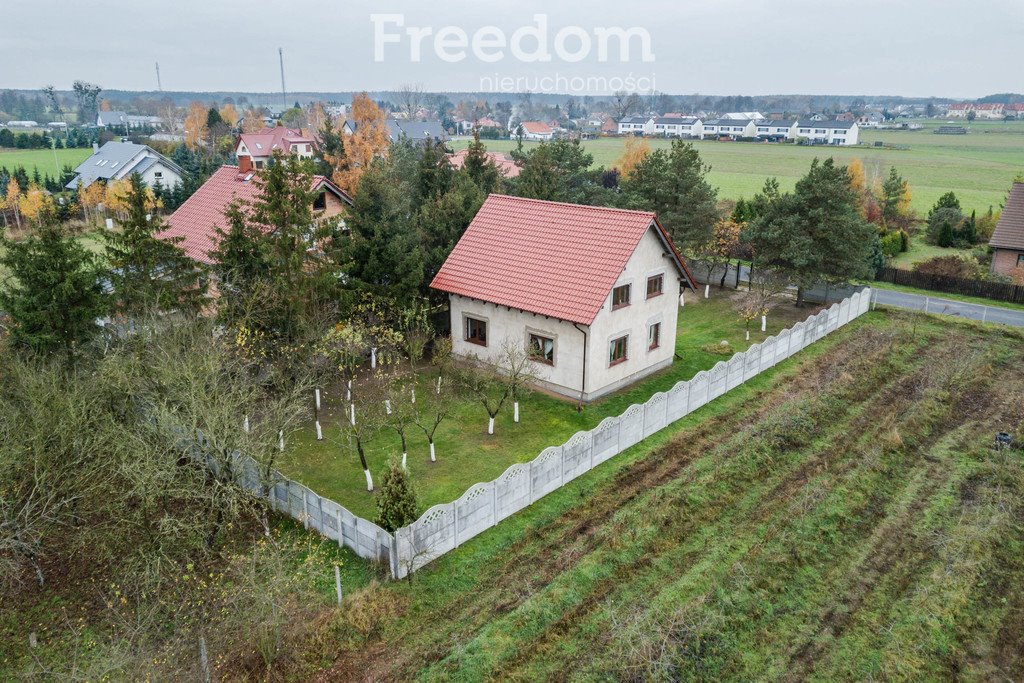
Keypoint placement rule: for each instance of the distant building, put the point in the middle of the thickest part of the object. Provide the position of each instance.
(1015, 110)
(199, 217)
(1008, 238)
(116, 160)
(870, 120)
(260, 147)
(959, 110)
(22, 124)
(736, 128)
(678, 126)
(776, 130)
(417, 131)
(506, 166)
(843, 133)
(743, 116)
(120, 119)
(537, 130)
(989, 110)
(636, 125)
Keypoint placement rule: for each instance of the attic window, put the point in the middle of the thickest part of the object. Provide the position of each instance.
(320, 203)
(259, 146)
(115, 165)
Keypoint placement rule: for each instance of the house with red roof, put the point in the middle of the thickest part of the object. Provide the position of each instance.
(592, 293)
(258, 148)
(535, 130)
(199, 217)
(506, 166)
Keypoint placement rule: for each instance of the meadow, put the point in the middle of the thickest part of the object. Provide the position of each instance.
(43, 159)
(842, 517)
(979, 167)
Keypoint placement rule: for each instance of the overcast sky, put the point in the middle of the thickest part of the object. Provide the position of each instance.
(894, 47)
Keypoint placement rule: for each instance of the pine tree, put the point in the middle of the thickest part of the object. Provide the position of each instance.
(396, 499)
(55, 293)
(150, 273)
(480, 168)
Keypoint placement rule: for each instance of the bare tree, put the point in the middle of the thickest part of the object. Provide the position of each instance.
(624, 104)
(494, 387)
(410, 99)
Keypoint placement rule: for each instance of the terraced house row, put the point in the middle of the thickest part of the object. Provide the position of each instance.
(828, 132)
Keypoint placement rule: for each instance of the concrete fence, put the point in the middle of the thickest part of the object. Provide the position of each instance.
(445, 527)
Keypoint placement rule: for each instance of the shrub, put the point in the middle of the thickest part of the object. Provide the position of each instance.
(396, 502)
(950, 266)
(942, 226)
(892, 244)
(722, 348)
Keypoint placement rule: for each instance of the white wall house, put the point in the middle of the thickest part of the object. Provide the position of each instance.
(535, 130)
(828, 132)
(736, 128)
(591, 292)
(636, 125)
(260, 147)
(682, 127)
(116, 160)
(777, 130)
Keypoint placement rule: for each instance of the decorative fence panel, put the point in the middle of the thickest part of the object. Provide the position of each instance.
(444, 527)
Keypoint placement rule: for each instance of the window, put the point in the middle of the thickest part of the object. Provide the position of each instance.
(1020, 259)
(259, 164)
(158, 175)
(542, 349)
(655, 286)
(620, 297)
(320, 203)
(653, 336)
(476, 331)
(617, 350)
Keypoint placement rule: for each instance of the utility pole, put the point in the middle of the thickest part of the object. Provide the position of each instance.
(159, 87)
(284, 93)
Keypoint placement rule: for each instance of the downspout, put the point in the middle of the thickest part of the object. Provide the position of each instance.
(583, 381)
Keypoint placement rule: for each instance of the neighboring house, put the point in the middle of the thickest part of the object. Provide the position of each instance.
(959, 110)
(116, 160)
(22, 124)
(870, 120)
(636, 125)
(846, 116)
(673, 126)
(260, 147)
(737, 128)
(591, 292)
(199, 217)
(1015, 110)
(989, 110)
(844, 133)
(535, 130)
(506, 166)
(1008, 238)
(120, 118)
(609, 126)
(417, 131)
(775, 129)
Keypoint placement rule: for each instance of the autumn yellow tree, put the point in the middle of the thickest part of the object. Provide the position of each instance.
(33, 203)
(89, 198)
(253, 120)
(369, 141)
(316, 116)
(11, 196)
(229, 115)
(195, 125)
(1017, 275)
(859, 184)
(636, 150)
(717, 251)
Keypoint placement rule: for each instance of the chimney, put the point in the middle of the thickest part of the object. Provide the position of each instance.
(244, 164)
(95, 148)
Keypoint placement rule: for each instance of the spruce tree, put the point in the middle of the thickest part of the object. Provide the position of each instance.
(148, 272)
(54, 293)
(396, 498)
(481, 168)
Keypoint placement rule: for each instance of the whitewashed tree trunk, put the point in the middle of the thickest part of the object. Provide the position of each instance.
(280, 440)
(490, 425)
(515, 411)
(352, 413)
(764, 323)
(373, 358)
(319, 432)
(748, 335)
(405, 456)
(245, 424)
(682, 299)
(318, 399)
(433, 454)
(387, 406)
(348, 391)
(439, 385)
(369, 480)
(413, 395)
(707, 291)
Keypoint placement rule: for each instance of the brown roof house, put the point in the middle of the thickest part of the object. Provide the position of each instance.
(1008, 238)
(592, 293)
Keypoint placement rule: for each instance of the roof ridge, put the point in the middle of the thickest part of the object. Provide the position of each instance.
(615, 209)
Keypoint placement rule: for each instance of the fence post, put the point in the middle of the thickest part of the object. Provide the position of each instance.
(984, 314)
(341, 543)
(337, 583)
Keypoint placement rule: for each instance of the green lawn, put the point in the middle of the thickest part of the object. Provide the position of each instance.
(467, 455)
(979, 167)
(841, 517)
(922, 251)
(43, 159)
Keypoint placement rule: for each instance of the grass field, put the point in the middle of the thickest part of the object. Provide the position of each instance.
(842, 517)
(979, 167)
(43, 159)
(467, 455)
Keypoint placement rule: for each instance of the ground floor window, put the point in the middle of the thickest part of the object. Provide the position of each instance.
(542, 349)
(617, 350)
(1020, 259)
(654, 336)
(476, 331)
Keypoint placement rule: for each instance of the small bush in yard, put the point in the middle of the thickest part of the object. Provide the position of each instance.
(396, 501)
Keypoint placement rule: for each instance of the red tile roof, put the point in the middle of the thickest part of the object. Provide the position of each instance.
(536, 127)
(264, 143)
(1009, 232)
(506, 166)
(553, 259)
(202, 213)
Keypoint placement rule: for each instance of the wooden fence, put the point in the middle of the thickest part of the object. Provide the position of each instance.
(953, 285)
